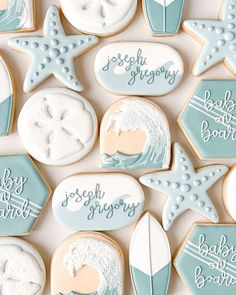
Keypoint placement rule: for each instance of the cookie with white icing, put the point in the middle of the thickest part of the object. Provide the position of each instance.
(87, 263)
(99, 17)
(22, 270)
(7, 101)
(57, 126)
(230, 192)
(150, 257)
(135, 134)
(17, 16)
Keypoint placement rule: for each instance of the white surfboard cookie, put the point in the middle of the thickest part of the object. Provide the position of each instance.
(99, 17)
(57, 126)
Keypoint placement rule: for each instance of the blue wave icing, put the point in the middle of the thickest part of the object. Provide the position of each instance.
(6, 110)
(12, 18)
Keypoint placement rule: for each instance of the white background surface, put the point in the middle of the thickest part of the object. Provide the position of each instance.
(48, 234)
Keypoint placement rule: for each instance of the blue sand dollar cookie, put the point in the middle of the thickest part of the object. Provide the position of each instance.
(186, 188)
(6, 99)
(23, 194)
(150, 258)
(209, 119)
(206, 261)
(218, 36)
(53, 53)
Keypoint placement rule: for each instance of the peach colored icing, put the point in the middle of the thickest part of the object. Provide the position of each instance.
(3, 4)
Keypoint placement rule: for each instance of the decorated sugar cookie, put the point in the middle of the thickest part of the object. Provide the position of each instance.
(99, 17)
(150, 258)
(6, 99)
(209, 119)
(206, 261)
(23, 195)
(218, 37)
(53, 53)
(22, 270)
(163, 16)
(98, 201)
(17, 16)
(57, 126)
(185, 188)
(135, 135)
(139, 68)
(88, 263)
(230, 192)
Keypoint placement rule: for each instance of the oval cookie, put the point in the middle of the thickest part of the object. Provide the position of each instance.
(139, 68)
(57, 126)
(150, 258)
(135, 135)
(98, 201)
(99, 17)
(230, 192)
(87, 263)
(22, 269)
(6, 99)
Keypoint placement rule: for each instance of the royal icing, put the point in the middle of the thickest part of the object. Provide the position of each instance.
(135, 135)
(150, 258)
(104, 201)
(219, 39)
(6, 99)
(230, 193)
(185, 187)
(99, 17)
(22, 269)
(209, 119)
(87, 263)
(139, 68)
(23, 194)
(57, 126)
(16, 15)
(164, 16)
(207, 260)
(53, 53)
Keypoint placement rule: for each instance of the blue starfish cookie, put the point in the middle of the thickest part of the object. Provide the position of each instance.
(219, 37)
(54, 53)
(185, 187)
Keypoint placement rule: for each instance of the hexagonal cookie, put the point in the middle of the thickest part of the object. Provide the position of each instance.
(23, 194)
(209, 119)
(207, 259)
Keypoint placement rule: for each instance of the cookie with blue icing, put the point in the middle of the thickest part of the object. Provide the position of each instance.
(53, 53)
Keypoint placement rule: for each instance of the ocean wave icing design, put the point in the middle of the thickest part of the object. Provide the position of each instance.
(106, 292)
(14, 16)
(5, 115)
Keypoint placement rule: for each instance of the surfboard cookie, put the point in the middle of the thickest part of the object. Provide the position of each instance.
(87, 263)
(57, 126)
(99, 17)
(206, 261)
(134, 134)
(139, 68)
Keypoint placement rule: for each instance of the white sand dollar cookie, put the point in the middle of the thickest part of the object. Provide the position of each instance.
(99, 17)
(22, 270)
(57, 126)
(230, 192)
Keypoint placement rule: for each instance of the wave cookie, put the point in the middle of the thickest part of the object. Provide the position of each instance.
(57, 126)
(87, 263)
(135, 135)
(230, 192)
(150, 257)
(139, 68)
(22, 269)
(6, 99)
(99, 17)
(99, 201)
(16, 15)
(206, 261)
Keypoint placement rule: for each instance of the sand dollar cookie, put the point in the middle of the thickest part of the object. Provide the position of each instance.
(6, 99)
(57, 126)
(87, 263)
(134, 135)
(22, 270)
(99, 17)
(230, 192)
(139, 68)
(206, 261)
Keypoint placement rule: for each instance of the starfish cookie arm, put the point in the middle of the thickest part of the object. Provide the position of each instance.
(80, 44)
(26, 44)
(52, 23)
(229, 9)
(182, 162)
